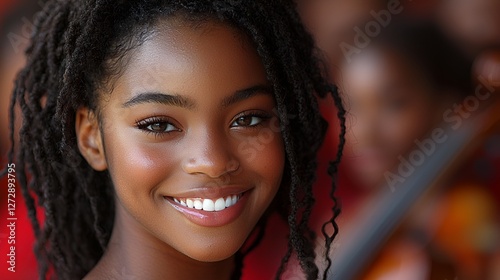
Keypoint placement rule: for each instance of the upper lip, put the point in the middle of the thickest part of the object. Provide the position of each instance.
(211, 192)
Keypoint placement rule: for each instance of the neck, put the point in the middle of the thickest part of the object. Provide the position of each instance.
(133, 253)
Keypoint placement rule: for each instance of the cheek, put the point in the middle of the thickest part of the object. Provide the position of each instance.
(413, 124)
(138, 168)
(264, 156)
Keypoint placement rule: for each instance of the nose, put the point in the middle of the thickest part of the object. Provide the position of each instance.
(211, 155)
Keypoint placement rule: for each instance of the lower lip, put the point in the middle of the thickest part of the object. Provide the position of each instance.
(215, 218)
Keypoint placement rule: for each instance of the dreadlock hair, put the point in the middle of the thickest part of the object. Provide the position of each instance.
(79, 44)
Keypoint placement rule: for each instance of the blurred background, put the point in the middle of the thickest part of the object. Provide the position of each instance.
(419, 184)
(16, 18)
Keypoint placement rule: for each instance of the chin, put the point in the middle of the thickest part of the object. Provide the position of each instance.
(215, 254)
(210, 249)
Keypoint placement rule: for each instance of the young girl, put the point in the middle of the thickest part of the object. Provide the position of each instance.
(158, 135)
(396, 90)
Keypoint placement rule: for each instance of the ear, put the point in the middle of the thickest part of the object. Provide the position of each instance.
(89, 139)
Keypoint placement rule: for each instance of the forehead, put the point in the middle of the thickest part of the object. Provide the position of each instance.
(373, 63)
(191, 59)
(375, 69)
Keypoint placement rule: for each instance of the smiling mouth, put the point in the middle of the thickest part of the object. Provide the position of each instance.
(208, 205)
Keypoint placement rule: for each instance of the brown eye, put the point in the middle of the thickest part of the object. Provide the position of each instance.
(161, 127)
(156, 125)
(247, 121)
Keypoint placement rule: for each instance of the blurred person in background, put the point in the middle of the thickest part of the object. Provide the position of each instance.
(408, 79)
(333, 21)
(396, 91)
(15, 28)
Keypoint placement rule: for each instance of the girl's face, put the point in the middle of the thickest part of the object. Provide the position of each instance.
(331, 22)
(389, 107)
(191, 140)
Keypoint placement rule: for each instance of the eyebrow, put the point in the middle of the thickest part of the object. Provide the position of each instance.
(187, 103)
(162, 98)
(243, 94)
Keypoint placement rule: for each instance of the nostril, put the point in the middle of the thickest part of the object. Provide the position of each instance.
(232, 166)
(212, 167)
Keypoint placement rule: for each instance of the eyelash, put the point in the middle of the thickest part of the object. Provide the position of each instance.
(261, 115)
(145, 123)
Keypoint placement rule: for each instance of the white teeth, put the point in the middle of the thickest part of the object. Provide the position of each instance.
(198, 205)
(208, 205)
(220, 204)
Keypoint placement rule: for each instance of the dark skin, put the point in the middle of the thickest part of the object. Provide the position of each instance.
(390, 105)
(209, 125)
(332, 21)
